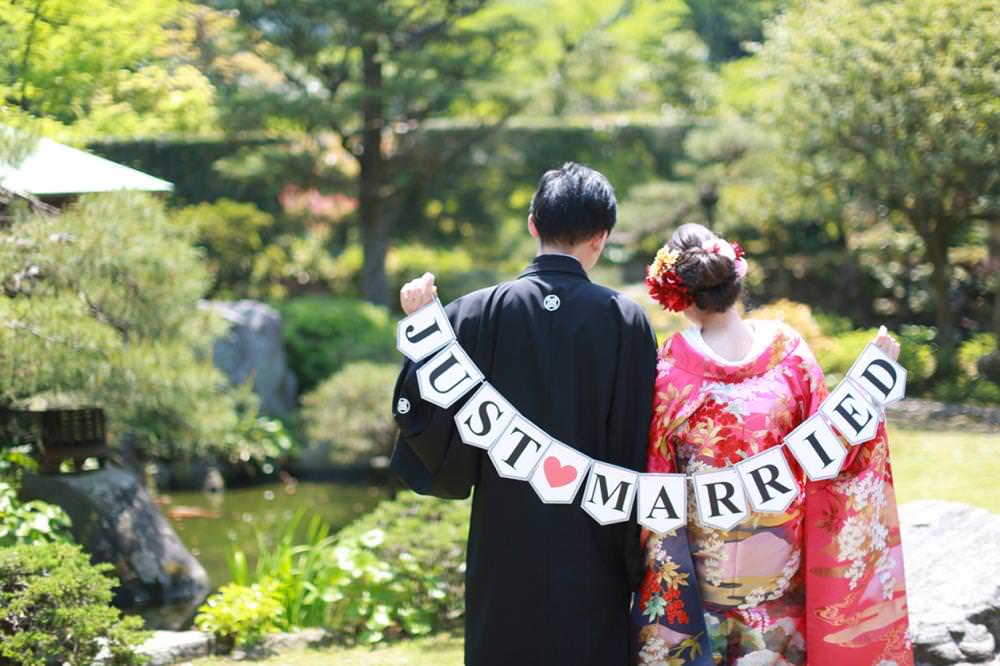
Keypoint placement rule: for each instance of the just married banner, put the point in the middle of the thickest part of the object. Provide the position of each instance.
(519, 449)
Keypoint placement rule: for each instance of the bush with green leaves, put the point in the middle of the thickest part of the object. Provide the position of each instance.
(456, 270)
(55, 607)
(257, 443)
(398, 571)
(323, 334)
(970, 385)
(410, 553)
(916, 354)
(103, 299)
(241, 615)
(232, 234)
(33, 522)
(349, 413)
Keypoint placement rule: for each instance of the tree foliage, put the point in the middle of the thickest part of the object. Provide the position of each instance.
(727, 27)
(101, 67)
(103, 301)
(895, 107)
(371, 72)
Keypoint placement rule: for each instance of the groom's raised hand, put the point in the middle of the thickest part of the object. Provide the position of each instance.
(415, 294)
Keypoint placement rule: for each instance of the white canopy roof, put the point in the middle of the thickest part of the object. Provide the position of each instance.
(54, 169)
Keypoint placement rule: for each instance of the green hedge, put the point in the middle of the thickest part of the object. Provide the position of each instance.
(323, 334)
(189, 165)
(55, 608)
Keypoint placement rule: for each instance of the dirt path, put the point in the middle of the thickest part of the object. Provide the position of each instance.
(917, 414)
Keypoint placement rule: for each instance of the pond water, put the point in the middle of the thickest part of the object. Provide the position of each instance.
(211, 524)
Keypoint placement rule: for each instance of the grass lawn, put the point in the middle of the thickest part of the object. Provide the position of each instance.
(927, 465)
(956, 466)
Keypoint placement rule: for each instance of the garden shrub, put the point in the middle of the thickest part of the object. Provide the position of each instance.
(33, 522)
(109, 317)
(916, 354)
(350, 414)
(398, 571)
(411, 551)
(55, 607)
(257, 444)
(323, 334)
(456, 272)
(969, 385)
(26, 522)
(800, 317)
(241, 615)
(232, 233)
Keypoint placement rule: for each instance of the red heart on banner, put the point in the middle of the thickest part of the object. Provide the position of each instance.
(558, 474)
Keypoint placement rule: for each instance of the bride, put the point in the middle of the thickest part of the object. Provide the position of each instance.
(822, 582)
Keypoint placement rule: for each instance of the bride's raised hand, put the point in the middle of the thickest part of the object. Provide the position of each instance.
(887, 343)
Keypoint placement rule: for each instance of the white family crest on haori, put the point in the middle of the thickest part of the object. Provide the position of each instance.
(521, 450)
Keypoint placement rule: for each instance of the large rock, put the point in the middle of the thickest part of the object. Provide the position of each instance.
(253, 348)
(952, 557)
(171, 647)
(116, 521)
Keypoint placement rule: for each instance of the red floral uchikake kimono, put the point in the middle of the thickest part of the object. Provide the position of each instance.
(820, 584)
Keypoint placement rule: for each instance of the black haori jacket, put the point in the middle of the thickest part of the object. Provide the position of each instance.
(546, 585)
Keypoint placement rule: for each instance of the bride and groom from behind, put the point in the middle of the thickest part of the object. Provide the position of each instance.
(545, 583)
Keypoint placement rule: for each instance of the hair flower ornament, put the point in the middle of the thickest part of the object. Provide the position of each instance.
(733, 251)
(665, 285)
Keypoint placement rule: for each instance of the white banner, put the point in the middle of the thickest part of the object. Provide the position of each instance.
(724, 497)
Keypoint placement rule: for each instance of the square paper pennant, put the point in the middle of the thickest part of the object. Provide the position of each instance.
(662, 502)
(484, 417)
(558, 476)
(448, 376)
(610, 493)
(519, 448)
(424, 332)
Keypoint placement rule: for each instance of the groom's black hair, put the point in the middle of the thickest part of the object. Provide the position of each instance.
(572, 204)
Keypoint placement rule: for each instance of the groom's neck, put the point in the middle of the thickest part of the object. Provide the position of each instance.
(578, 253)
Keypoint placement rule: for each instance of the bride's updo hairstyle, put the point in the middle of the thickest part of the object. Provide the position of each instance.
(711, 278)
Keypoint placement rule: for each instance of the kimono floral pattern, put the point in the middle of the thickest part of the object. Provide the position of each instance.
(822, 582)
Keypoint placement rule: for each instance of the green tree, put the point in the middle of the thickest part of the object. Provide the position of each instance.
(100, 67)
(895, 107)
(727, 26)
(372, 72)
(98, 306)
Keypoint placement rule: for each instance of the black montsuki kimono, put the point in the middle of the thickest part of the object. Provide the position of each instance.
(546, 585)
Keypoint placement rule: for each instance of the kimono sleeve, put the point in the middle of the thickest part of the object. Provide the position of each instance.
(668, 621)
(855, 588)
(430, 457)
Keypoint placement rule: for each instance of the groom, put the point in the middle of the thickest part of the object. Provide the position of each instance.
(546, 585)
